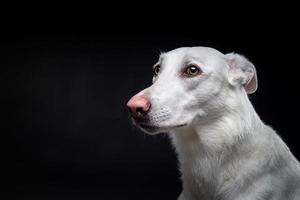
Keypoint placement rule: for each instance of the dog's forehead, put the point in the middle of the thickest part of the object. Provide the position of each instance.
(190, 53)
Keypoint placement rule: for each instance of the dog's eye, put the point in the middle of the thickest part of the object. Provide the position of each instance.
(191, 71)
(156, 70)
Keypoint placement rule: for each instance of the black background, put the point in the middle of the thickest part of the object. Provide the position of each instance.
(65, 92)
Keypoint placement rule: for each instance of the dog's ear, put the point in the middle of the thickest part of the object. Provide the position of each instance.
(241, 72)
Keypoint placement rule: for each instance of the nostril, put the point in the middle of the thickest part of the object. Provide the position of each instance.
(140, 111)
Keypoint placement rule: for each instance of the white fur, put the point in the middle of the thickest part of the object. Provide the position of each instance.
(225, 151)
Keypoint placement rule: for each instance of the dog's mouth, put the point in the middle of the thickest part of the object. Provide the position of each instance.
(153, 129)
(149, 128)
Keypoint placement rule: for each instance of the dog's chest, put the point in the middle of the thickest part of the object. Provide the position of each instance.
(201, 177)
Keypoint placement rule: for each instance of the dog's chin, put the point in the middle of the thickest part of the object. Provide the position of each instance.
(154, 129)
(151, 130)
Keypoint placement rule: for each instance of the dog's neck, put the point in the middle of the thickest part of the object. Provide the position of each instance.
(203, 147)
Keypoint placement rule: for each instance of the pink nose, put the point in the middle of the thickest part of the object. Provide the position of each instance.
(138, 106)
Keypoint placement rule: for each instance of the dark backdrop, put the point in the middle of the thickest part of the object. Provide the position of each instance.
(65, 92)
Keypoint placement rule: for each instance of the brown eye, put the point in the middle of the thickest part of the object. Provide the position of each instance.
(156, 70)
(192, 70)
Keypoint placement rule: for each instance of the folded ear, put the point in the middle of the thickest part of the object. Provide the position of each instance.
(241, 72)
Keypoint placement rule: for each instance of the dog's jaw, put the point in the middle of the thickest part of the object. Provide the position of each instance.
(159, 120)
(155, 129)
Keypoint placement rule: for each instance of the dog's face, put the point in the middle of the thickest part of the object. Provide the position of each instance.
(189, 85)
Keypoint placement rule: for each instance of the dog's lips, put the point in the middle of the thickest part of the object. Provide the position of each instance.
(150, 127)
(155, 129)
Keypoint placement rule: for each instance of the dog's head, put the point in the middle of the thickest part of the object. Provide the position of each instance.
(191, 85)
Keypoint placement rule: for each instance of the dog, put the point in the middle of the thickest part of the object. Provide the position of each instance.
(199, 96)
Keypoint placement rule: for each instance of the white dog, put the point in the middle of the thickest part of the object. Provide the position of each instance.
(225, 151)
